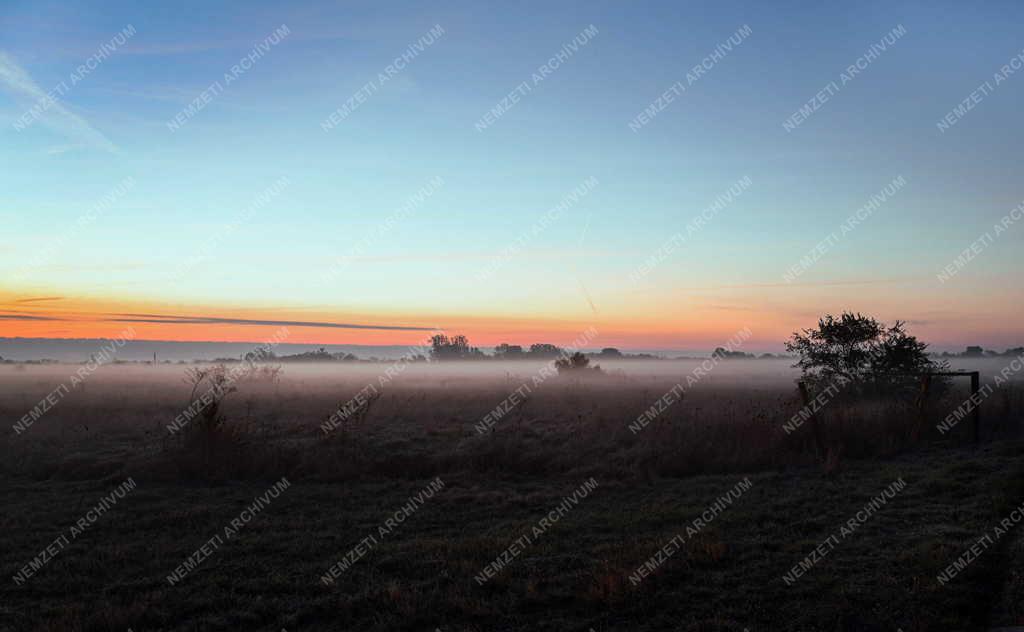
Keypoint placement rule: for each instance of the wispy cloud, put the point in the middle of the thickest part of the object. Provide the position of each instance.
(39, 299)
(22, 317)
(312, 30)
(165, 319)
(537, 254)
(210, 320)
(17, 81)
(70, 268)
(731, 308)
(750, 286)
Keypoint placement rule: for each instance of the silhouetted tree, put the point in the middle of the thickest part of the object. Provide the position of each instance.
(454, 348)
(259, 354)
(505, 350)
(544, 350)
(440, 346)
(860, 351)
(725, 354)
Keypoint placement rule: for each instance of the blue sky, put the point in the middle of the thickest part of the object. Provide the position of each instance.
(497, 182)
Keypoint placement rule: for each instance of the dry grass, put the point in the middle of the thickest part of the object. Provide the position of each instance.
(499, 483)
(424, 425)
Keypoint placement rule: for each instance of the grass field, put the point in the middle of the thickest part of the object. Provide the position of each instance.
(508, 497)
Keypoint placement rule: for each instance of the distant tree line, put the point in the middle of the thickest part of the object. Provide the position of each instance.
(538, 351)
(441, 348)
(847, 332)
(979, 352)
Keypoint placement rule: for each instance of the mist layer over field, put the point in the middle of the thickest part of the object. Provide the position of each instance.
(660, 440)
(24, 382)
(633, 417)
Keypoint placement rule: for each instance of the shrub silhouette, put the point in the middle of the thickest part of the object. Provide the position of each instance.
(860, 352)
(576, 363)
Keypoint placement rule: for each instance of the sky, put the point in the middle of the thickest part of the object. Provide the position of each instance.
(523, 173)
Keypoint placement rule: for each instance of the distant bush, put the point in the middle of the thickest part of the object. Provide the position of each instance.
(210, 386)
(575, 364)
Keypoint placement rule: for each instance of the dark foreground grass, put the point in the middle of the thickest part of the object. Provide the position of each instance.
(575, 576)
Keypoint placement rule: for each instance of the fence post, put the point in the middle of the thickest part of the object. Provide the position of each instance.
(975, 387)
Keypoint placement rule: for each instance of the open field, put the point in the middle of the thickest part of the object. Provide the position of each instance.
(505, 540)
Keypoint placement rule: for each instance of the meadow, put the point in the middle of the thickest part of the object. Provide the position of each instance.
(500, 496)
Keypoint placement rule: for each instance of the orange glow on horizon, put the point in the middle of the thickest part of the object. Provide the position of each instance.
(66, 317)
(674, 322)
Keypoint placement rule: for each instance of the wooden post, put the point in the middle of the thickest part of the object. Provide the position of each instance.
(922, 404)
(813, 418)
(975, 387)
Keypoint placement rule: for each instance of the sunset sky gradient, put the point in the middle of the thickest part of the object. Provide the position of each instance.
(190, 251)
